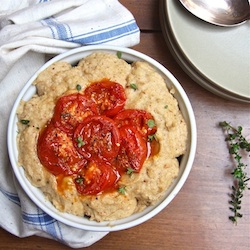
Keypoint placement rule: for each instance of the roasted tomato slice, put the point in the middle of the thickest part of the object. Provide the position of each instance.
(57, 153)
(95, 178)
(71, 109)
(109, 96)
(133, 150)
(97, 137)
(142, 120)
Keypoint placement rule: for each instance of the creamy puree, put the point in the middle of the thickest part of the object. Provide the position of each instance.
(158, 172)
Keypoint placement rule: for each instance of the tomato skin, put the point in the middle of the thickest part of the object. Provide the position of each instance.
(99, 137)
(57, 153)
(94, 140)
(71, 109)
(133, 150)
(109, 96)
(138, 118)
(97, 177)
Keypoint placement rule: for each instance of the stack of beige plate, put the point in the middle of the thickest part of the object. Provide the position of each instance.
(218, 58)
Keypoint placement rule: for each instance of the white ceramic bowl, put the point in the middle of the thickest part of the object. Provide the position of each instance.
(37, 196)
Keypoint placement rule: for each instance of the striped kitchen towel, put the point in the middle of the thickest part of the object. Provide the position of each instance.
(54, 26)
(30, 30)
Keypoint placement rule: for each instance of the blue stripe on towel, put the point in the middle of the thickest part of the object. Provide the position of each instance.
(59, 30)
(108, 34)
(40, 218)
(42, 1)
(44, 222)
(64, 32)
(11, 196)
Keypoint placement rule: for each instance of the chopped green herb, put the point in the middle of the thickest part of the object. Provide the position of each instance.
(152, 137)
(237, 146)
(133, 86)
(79, 180)
(25, 122)
(130, 171)
(151, 123)
(166, 106)
(78, 87)
(80, 142)
(119, 54)
(122, 189)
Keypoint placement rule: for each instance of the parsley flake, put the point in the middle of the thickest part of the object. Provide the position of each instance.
(133, 86)
(78, 87)
(80, 142)
(119, 54)
(152, 137)
(25, 122)
(151, 123)
(79, 180)
(122, 190)
(130, 171)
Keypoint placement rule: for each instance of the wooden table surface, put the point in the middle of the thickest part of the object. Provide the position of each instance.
(197, 218)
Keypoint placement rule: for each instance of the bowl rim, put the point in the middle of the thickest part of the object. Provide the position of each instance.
(135, 219)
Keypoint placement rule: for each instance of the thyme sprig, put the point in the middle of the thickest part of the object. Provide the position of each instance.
(237, 145)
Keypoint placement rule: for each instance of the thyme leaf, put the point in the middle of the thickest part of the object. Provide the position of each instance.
(133, 86)
(151, 123)
(152, 137)
(80, 142)
(78, 87)
(122, 189)
(119, 54)
(25, 122)
(130, 171)
(237, 144)
(79, 180)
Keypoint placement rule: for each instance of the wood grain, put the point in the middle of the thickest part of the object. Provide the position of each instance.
(146, 13)
(197, 218)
